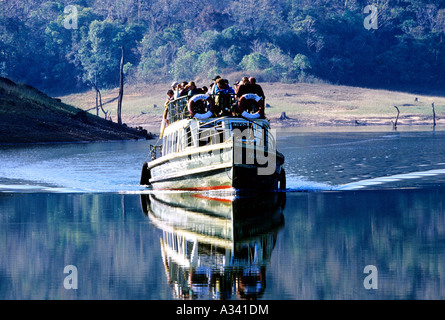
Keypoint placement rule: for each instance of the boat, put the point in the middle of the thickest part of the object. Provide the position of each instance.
(215, 142)
(216, 247)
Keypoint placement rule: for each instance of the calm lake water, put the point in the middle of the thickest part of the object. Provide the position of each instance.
(354, 199)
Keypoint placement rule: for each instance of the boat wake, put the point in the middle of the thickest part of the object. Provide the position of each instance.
(422, 179)
(380, 181)
(300, 184)
(295, 183)
(30, 187)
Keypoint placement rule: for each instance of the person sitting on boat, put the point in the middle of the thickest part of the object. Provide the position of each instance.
(249, 100)
(213, 85)
(223, 97)
(223, 87)
(258, 90)
(184, 89)
(192, 90)
(175, 89)
(245, 87)
(236, 85)
(170, 96)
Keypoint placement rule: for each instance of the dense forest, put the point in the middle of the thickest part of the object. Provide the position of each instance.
(68, 45)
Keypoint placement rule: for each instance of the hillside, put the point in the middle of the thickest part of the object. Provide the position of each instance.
(30, 116)
(60, 45)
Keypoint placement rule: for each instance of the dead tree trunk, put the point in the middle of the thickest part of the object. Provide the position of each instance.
(99, 102)
(397, 118)
(434, 116)
(97, 93)
(121, 89)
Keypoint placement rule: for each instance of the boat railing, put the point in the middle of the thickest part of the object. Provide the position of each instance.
(155, 151)
(177, 109)
(256, 135)
(225, 104)
(215, 131)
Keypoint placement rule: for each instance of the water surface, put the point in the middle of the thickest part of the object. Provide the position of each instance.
(354, 199)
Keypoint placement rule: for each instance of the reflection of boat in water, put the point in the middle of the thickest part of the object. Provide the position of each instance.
(216, 248)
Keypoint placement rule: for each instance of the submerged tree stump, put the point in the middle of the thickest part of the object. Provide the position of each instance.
(397, 118)
(283, 116)
(434, 116)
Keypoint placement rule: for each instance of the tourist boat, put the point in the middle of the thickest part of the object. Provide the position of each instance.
(215, 143)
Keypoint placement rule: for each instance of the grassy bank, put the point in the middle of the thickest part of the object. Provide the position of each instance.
(304, 104)
(30, 116)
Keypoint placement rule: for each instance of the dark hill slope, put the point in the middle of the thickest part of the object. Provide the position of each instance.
(27, 115)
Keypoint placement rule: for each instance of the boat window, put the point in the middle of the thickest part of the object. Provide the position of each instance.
(244, 131)
(219, 135)
(170, 143)
(177, 147)
(179, 137)
(174, 141)
(204, 137)
(188, 137)
(211, 133)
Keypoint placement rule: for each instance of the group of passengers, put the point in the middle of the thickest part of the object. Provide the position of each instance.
(218, 86)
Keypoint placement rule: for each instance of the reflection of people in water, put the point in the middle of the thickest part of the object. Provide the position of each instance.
(251, 283)
(222, 273)
(247, 283)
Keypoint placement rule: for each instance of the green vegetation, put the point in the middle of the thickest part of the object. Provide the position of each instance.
(279, 40)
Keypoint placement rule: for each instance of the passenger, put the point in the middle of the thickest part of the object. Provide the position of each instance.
(164, 123)
(192, 90)
(236, 85)
(244, 88)
(213, 86)
(175, 90)
(185, 89)
(170, 96)
(258, 90)
(223, 87)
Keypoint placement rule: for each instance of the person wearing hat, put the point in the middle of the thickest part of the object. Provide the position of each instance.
(213, 86)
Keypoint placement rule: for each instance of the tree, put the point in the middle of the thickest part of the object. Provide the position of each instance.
(254, 62)
(183, 68)
(209, 63)
(175, 39)
(99, 52)
(121, 88)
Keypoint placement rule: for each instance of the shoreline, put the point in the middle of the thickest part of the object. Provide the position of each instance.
(305, 105)
(37, 118)
(152, 123)
(29, 116)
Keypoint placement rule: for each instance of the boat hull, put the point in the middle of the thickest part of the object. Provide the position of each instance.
(214, 168)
